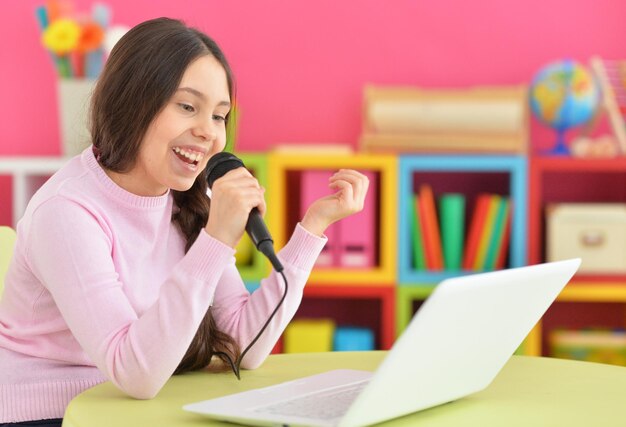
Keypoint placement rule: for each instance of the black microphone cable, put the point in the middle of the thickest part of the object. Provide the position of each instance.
(236, 364)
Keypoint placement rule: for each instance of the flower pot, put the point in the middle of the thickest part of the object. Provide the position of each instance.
(74, 96)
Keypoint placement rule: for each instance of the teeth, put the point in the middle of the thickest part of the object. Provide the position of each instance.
(189, 155)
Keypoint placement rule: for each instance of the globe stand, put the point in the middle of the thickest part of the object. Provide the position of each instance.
(560, 149)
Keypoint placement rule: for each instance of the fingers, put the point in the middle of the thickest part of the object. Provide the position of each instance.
(235, 180)
(353, 186)
(238, 188)
(237, 177)
(233, 196)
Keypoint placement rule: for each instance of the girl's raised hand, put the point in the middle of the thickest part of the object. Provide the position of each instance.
(350, 190)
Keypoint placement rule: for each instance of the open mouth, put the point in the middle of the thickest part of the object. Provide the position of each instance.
(189, 157)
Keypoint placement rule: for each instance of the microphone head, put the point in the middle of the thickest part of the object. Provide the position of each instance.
(219, 164)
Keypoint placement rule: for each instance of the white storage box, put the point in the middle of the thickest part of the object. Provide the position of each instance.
(594, 232)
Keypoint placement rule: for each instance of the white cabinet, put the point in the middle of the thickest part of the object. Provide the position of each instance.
(27, 175)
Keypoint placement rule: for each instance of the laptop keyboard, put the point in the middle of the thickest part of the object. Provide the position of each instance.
(324, 405)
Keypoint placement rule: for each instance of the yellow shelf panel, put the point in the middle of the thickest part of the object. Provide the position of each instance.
(363, 277)
(306, 161)
(386, 165)
(532, 343)
(583, 292)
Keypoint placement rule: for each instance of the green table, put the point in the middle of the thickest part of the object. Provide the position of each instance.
(529, 391)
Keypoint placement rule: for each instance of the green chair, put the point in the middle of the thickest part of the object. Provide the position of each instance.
(7, 241)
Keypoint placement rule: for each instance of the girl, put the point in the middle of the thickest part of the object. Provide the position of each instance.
(121, 272)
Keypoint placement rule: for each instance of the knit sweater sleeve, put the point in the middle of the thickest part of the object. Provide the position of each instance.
(242, 315)
(70, 252)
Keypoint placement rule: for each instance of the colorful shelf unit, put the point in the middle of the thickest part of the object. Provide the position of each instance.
(570, 180)
(372, 307)
(284, 195)
(589, 300)
(470, 176)
(369, 306)
(351, 296)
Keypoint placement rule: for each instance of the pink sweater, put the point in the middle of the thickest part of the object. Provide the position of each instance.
(99, 289)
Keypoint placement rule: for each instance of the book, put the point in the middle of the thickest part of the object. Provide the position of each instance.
(452, 214)
(503, 250)
(497, 234)
(486, 232)
(430, 228)
(417, 243)
(479, 215)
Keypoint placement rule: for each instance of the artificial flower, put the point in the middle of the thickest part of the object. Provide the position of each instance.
(61, 36)
(91, 37)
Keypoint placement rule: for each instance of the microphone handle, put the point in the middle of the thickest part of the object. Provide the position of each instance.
(261, 238)
(256, 228)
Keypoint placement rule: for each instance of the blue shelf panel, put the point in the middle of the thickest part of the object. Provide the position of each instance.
(252, 286)
(429, 278)
(455, 163)
(514, 166)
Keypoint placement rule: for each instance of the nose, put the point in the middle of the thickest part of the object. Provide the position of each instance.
(205, 130)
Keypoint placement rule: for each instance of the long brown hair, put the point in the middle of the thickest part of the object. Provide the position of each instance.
(141, 75)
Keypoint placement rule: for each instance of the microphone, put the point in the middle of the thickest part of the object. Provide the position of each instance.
(217, 167)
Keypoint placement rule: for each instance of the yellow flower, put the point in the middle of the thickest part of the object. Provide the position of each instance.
(61, 36)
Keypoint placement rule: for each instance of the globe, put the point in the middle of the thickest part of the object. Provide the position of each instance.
(563, 95)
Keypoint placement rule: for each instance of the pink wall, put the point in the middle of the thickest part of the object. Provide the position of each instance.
(301, 66)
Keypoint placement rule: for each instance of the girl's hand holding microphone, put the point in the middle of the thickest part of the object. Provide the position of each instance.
(233, 196)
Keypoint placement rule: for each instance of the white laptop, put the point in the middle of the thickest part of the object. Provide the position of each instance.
(456, 344)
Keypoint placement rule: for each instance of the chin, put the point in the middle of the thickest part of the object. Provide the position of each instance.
(182, 186)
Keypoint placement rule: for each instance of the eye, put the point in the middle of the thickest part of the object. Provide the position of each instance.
(219, 118)
(188, 108)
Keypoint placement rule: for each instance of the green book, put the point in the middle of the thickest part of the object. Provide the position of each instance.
(452, 214)
(497, 234)
(417, 242)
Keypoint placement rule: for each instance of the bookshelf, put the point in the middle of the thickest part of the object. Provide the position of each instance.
(373, 307)
(27, 174)
(385, 296)
(364, 297)
(589, 300)
(468, 175)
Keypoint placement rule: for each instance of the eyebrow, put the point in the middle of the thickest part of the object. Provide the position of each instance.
(201, 95)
